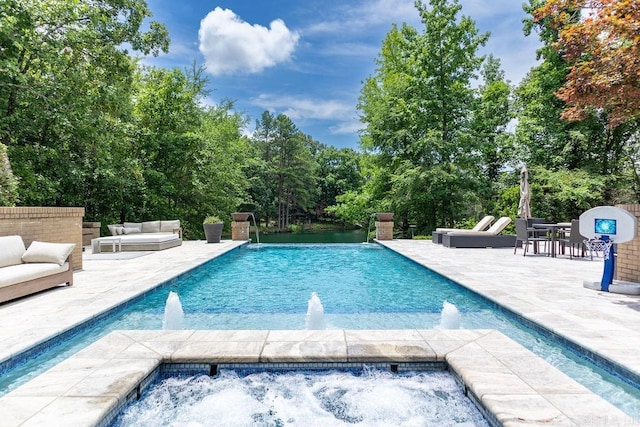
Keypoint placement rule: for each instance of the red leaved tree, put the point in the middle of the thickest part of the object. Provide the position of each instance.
(600, 39)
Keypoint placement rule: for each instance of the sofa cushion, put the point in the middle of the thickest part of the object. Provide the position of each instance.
(169, 226)
(151, 226)
(137, 225)
(48, 252)
(113, 228)
(12, 250)
(128, 230)
(21, 273)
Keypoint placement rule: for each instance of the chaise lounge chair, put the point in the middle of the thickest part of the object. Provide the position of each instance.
(481, 239)
(436, 236)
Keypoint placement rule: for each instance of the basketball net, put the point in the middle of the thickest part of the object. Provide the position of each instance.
(597, 245)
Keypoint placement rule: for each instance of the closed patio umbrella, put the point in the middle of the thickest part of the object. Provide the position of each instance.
(524, 207)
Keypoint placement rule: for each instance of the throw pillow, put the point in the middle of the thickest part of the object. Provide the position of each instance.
(137, 225)
(48, 252)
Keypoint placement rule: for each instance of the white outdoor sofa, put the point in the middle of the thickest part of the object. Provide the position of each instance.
(139, 236)
(26, 271)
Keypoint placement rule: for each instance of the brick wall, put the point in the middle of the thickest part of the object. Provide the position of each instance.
(45, 224)
(628, 259)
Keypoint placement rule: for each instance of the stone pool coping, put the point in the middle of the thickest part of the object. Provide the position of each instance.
(512, 385)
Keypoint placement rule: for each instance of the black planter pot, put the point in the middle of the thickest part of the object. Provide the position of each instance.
(213, 232)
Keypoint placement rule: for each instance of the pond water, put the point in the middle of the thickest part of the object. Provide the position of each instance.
(339, 236)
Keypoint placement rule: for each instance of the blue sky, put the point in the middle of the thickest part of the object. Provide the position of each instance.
(308, 59)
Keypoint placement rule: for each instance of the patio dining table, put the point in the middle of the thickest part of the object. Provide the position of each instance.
(553, 230)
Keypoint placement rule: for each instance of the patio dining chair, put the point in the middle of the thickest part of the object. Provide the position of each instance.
(574, 239)
(526, 235)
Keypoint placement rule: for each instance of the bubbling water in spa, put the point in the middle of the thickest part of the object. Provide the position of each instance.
(333, 398)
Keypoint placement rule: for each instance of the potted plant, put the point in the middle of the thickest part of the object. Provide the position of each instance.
(213, 228)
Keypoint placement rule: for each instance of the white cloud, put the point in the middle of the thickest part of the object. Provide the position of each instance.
(296, 108)
(230, 44)
(364, 15)
(346, 128)
(304, 108)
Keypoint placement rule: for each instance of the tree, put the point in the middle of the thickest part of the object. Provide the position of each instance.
(417, 113)
(287, 167)
(489, 119)
(602, 49)
(65, 85)
(192, 157)
(339, 172)
(544, 139)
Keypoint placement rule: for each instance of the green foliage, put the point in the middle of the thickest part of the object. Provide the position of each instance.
(422, 237)
(544, 139)
(559, 195)
(212, 219)
(339, 172)
(65, 96)
(352, 207)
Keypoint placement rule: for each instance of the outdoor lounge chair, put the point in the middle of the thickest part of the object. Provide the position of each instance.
(481, 239)
(483, 224)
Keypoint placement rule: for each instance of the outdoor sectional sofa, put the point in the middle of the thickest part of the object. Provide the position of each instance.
(26, 271)
(140, 236)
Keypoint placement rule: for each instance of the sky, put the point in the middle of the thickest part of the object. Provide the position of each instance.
(308, 59)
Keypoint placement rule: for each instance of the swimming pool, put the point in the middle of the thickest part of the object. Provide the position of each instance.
(372, 288)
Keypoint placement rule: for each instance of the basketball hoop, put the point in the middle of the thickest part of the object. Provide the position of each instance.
(597, 245)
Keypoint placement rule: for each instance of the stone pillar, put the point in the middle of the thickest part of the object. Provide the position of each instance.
(90, 231)
(240, 230)
(384, 230)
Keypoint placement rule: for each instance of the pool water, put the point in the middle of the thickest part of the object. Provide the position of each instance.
(361, 286)
(305, 398)
(268, 287)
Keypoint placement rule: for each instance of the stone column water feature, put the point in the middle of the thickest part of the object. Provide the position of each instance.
(240, 226)
(384, 230)
(240, 230)
(384, 226)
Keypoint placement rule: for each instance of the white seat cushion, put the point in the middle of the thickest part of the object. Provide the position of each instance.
(138, 238)
(21, 273)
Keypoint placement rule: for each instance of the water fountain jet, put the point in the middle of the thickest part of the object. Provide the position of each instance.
(315, 313)
(173, 313)
(449, 317)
